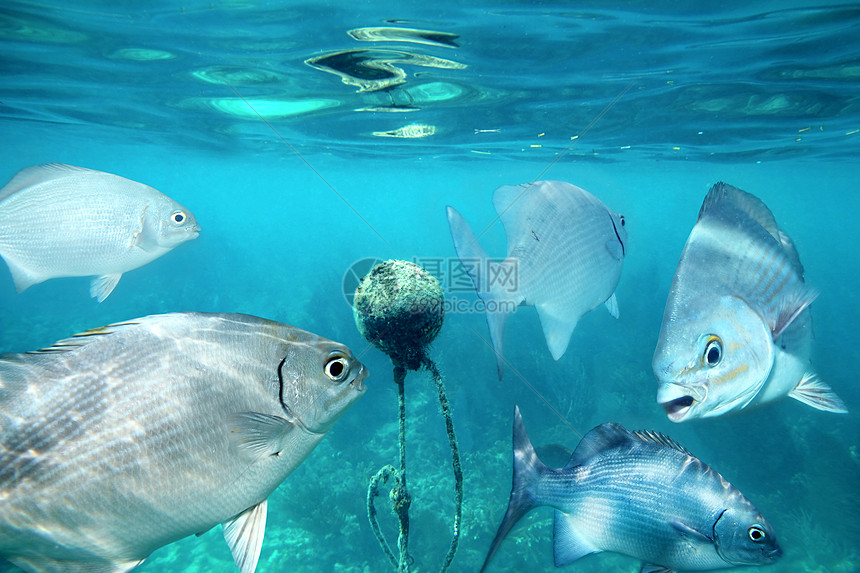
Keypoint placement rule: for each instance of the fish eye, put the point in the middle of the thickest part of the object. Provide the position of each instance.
(713, 351)
(178, 217)
(756, 533)
(336, 368)
(623, 220)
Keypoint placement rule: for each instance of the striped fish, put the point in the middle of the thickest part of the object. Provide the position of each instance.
(640, 494)
(565, 253)
(737, 329)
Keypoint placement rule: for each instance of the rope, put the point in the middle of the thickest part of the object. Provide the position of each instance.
(455, 461)
(399, 496)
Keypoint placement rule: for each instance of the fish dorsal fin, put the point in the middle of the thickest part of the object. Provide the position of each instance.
(598, 440)
(510, 202)
(531, 210)
(82, 338)
(38, 174)
(244, 535)
(650, 436)
(723, 193)
(611, 435)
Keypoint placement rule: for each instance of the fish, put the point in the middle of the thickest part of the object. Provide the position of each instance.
(565, 253)
(640, 494)
(65, 221)
(737, 328)
(125, 438)
(411, 131)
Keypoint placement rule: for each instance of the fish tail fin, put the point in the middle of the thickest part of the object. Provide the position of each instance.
(496, 321)
(472, 257)
(527, 470)
(813, 391)
(469, 250)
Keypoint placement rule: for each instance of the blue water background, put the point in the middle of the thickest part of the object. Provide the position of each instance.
(762, 95)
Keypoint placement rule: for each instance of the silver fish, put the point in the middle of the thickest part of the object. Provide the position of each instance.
(737, 329)
(125, 438)
(64, 221)
(640, 494)
(565, 253)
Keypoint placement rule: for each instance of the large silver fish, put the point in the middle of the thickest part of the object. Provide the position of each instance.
(565, 252)
(125, 438)
(640, 494)
(64, 221)
(737, 330)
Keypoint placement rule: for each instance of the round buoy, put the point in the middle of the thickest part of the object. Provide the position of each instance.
(399, 308)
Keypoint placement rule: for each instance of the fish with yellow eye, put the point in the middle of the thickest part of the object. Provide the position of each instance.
(737, 329)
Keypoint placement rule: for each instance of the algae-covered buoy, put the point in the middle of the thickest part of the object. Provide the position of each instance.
(399, 307)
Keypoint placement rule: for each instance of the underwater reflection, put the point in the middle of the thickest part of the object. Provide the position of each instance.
(374, 70)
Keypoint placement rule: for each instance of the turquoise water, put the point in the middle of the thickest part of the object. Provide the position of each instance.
(646, 105)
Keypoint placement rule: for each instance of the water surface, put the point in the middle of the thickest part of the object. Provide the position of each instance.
(294, 175)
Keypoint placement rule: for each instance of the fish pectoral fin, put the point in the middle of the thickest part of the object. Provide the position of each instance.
(791, 308)
(616, 250)
(568, 544)
(557, 329)
(259, 435)
(652, 568)
(101, 287)
(146, 237)
(689, 531)
(612, 306)
(812, 391)
(244, 535)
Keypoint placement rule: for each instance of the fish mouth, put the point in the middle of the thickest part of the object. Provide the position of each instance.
(766, 558)
(678, 408)
(357, 382)
(773, 554)
(680, 400)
